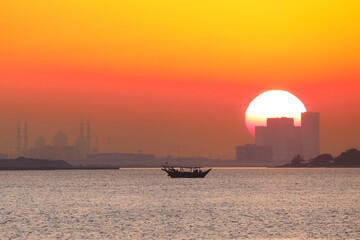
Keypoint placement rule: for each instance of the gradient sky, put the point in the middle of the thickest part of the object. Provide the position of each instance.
(175, 76)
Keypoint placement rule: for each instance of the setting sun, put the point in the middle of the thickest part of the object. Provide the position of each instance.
(271, 104)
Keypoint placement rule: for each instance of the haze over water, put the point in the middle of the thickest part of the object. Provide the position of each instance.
(146, 204)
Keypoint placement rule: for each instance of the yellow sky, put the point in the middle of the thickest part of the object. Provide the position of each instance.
(275, 38)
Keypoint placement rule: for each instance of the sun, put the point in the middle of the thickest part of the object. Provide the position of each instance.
(272, 104)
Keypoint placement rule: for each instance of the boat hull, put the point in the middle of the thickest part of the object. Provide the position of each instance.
(178, 174)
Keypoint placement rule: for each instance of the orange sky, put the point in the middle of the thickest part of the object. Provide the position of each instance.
(176, 76)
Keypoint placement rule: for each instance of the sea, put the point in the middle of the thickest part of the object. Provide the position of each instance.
(230, 203)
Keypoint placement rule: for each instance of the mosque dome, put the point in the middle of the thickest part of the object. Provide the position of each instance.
(60, 139)
(40, 142)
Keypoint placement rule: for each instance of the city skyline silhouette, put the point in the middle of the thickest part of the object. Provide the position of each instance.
(158, 119)
(164, 83)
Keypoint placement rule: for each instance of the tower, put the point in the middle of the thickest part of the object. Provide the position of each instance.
(88, 138)
(82, 129)
(282, 136)
(310, 126)
(25, 136)
(80, 143)
(18, 140)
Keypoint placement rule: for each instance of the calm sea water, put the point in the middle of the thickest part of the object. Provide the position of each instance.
(146, 204)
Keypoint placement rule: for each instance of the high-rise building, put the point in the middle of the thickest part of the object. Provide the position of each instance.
(310, 126)
(282, 136)
(288, 140)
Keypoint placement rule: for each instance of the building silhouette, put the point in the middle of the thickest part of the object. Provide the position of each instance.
(60, 139)
(80, 142)
(18, 140)
(79, 153)
(282, 136)
(310, 128)
(20, 149)
(58, 150)
(25, 136)
(285, 139)
(88, 139)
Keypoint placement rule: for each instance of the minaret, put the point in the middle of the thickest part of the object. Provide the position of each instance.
(88, 138)
(82, 129)
(25, 136)
(80, 142)
(18, 138)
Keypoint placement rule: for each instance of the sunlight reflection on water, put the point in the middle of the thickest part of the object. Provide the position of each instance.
(146, 204)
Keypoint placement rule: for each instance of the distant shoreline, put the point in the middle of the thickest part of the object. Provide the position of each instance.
(348, 159)
(351, 166)
(51, 169)
(156, 168)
